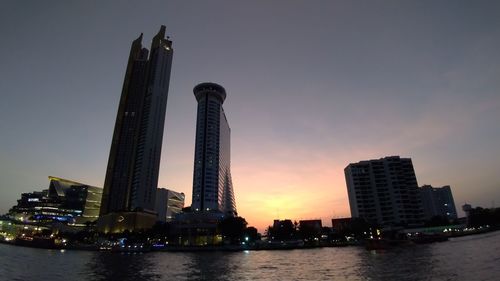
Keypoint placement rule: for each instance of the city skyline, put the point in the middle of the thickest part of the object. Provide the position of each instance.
(313, 88)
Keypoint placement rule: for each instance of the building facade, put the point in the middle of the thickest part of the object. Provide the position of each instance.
(134, 159)
(438, 202)
(168, 204)
(212, 183)
(64, 201)
(384, 191)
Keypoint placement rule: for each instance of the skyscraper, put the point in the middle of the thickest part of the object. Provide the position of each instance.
(134, 159)
(212, 184)
(384, 191)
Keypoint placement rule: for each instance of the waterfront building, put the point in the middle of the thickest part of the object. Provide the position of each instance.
(134, 159)
(310, 229)
(212, 183)
(213, 195)
(341, 224)
(197, 228)
(311, 224)
(384, 191)
(64, 201)
(438, 202)
(168, 204)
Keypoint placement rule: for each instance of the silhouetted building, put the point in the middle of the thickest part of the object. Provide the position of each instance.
(466, 207)
(384, 191)
(312, 224)
(310, 228)
(212, 183)
(65, 201)
(168, 204)
(341, 224)
(282, 230)
(438, 202)
(467, 210)
(197, 228)
(134, 159)
(482, 219)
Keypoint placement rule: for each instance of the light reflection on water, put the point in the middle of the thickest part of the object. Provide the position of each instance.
(467, 258)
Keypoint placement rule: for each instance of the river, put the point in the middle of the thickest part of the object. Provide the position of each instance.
(466, 258)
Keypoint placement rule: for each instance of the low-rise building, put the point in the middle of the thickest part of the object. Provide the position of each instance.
(64, 201)
(341, 224)
(168, 204)
(310, 228)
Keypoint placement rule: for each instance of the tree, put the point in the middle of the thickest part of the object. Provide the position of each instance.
(252, 234)
(233, 228)
(285, 230)
(269, 232)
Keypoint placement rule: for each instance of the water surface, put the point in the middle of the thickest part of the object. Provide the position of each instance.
(467, 258)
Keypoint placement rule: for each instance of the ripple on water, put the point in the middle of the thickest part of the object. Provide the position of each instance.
(467, 258)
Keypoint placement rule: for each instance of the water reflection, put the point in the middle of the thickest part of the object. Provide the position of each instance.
(125, 267)
(409, 263)
(214, 265)
(468, 258)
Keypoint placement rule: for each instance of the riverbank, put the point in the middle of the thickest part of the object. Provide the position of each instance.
(257, 246)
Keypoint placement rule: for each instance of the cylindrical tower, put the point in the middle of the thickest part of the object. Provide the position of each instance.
(212, 185)
(209, 88)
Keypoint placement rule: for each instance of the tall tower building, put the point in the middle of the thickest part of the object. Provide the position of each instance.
(134, 159)
(212, 184)
(384, 191)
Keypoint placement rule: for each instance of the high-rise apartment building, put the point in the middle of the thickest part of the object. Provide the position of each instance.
(384, 191)
(438, 202)
(212, 184)
(134, 159)
(168, 204)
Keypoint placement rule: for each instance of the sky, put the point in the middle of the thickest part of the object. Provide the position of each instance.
(312, 86)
